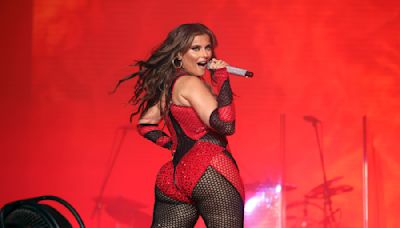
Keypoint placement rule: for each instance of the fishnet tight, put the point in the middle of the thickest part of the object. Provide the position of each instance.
(215, 199)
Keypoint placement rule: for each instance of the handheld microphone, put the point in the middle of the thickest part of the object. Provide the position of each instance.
(236, 71)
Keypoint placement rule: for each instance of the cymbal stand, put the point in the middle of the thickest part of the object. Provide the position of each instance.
(328, 220)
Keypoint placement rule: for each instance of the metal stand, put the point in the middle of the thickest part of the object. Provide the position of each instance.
(283, 162)
(365, 174)
(329, 218)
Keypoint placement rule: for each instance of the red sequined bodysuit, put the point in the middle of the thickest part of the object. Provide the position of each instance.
(196, 148)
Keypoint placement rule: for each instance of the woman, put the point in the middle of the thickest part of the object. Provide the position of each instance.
(202, 178)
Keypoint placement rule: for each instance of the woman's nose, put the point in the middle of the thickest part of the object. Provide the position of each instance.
(205, 53)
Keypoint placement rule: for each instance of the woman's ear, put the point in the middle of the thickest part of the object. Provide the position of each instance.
(179, 56)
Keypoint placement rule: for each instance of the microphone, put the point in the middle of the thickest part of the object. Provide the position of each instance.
(236, 71)
(311, 119)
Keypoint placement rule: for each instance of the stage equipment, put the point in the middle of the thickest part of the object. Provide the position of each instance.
(31, 213)
(263, 207)
(329, 213)
(304, 213)
(318, 192)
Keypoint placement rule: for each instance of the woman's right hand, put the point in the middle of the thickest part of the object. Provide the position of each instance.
(217, 64)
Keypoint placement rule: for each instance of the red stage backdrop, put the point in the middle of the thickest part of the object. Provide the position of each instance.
(65, 135)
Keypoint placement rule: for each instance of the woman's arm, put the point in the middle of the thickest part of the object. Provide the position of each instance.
(217, 113)
(148, 127)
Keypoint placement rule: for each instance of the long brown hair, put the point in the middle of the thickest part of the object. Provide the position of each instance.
(157, 73)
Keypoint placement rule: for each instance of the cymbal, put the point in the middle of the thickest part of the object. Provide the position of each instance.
(331, 191)
(320, 187)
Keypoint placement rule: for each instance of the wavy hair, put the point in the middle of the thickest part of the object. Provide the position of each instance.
(157, 73)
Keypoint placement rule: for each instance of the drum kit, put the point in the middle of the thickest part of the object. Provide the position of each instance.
(310, 212)
(324, 191)
(315, 210)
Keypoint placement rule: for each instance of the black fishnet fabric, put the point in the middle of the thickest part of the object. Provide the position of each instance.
(185, 143)
(218, 202)
(222, 127)
(214, 138)
(155, 135)
(224, 98)
(169, 213)
(229, 155)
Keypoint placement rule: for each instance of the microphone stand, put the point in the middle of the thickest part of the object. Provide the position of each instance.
(327, 197)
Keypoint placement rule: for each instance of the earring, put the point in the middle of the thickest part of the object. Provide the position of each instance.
(175, 64)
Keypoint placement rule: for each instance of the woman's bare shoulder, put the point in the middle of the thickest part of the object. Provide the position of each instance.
(189, 84)
(187, 87)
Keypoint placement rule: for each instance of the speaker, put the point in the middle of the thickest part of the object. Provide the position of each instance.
(31, 213)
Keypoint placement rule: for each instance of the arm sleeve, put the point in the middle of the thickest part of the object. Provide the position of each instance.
(222, 119)
(153, 133)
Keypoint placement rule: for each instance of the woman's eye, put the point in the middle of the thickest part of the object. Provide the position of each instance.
(208, 48)
(196, 48)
